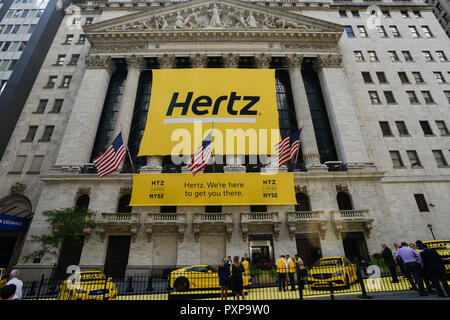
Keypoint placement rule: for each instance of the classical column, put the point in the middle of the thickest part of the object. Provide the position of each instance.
(262, 61)
(304, 120)
(342, 111)
(231, 60)
(199, 60)
(125, 117)
(79, 138)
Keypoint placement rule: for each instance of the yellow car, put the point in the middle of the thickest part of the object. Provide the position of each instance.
(443, 249)
(338, 270)
(3, 278)
(200, 276)
(88, 285)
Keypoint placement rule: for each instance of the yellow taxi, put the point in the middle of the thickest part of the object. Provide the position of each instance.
(3, 278)
(442, 247)
(338, 270)
(87, 285)
(200, 276)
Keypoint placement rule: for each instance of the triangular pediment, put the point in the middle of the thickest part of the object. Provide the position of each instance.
(213, 15)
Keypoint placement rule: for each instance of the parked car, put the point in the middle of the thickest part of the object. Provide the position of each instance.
(198, 277)
(338, 270)
(88, 285)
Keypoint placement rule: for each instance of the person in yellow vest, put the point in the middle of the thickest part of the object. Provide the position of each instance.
(290, 264)
(246, 266)
(397, 258)
(299, 262)
(281, 273)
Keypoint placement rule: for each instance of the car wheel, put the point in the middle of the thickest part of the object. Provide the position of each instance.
(181, 284)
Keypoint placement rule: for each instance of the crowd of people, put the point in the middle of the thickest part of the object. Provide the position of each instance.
(419, 265)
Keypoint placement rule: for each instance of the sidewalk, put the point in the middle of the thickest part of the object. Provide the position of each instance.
(402, 295)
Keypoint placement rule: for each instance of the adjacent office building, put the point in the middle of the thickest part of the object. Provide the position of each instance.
(442, 12)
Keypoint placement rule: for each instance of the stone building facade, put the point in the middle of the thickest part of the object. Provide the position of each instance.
(373, 101)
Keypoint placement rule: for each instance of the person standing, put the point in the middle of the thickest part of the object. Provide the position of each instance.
(246, 266)
(237, 283)
(389, 261)
(224, 278)
(229, 261)
(434, 267)
(7, 292)
(412, 262)
(281, 273)
(14, 279)
(290, 264)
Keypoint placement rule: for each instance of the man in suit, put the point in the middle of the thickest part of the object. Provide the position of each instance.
(390, 262)
(434, 267)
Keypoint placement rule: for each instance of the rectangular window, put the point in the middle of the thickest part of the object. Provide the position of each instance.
(394, 56)
(36, 164)
(381, 77)
(417, 14)
(426, 31)
(355, 14)
(386, 129)
(15, 29)
(439, 77)
(418, 77)
(57, 106)
(22, 46)
(441, 56)
(396, 159)
(389, 97)
(60, 59)
(69, 39)
(18, 164)
(359, 56)
(3, 85)
(382, 32)
(12, 65)
(374, 98)
(427, 55)
(442, 128)
(66, 81)
(8, 29)
(421, 203)
(51, 81)
(367, 78)
(42, 105)
(403, 77)
(31, 29)
(362, 32)
(440, 159)
(372, 56)
(48, 131)
(82, 39)
(74, 59)
(413, 158)
(412, 97)
(386, 14)
(76, 21)
(404, 13)
(89, 20)
(6, 46)
(25, 13)
(447, 94)
(426, 128)
(349, 31)
(401, 127)
(342, 13)
(407, 55)
(394, 31)
(31, 134)
(427, 97)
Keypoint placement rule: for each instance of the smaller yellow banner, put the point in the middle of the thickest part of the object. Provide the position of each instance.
(234, 189)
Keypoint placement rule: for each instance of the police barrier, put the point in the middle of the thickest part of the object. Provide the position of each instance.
(319, 281)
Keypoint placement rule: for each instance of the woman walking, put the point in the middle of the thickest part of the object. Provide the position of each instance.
(236, 278)
(224, 278)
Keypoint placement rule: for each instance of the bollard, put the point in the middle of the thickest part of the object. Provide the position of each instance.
(150, 284)
(40, 287)
(300, 281)
(361, 282)
(130, 284)
(331, 290)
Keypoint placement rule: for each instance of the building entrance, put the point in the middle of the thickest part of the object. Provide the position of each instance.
(117, 256)
(69, 255)
(261, 249)
(308, 248)
(7, 245)
(355, 246)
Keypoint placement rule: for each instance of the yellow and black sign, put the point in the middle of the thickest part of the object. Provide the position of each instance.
(213, 189)
(240, 104)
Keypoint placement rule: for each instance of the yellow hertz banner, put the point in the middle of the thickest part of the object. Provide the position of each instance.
(212, 189)
(240, 104)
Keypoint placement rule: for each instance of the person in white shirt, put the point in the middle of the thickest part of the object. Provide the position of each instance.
(13, 279)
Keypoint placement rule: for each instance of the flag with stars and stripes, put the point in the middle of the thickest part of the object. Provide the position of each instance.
(202, 155)
(288, 148)
(110, 160)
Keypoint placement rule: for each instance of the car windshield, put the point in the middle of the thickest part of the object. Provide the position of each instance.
(328, 262)
(92, 276)
(438, 244)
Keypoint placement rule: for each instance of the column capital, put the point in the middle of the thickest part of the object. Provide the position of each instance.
(328, 61)
(199, 60)
(262, 61)
(100, 62)
(167, 61)
(231, 60)
(294, 60)
(135, 62)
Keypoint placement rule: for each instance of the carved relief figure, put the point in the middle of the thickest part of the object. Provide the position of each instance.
(269, 22)
(192, 21)
(251, 21)
(179, 21)
(215, 19)
(161, 22)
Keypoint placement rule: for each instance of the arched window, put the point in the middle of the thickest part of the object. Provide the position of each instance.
(302, 202)
(123, 206)
(83, 201)
(344, 201)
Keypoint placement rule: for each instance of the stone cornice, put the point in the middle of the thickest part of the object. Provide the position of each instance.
(100, 62)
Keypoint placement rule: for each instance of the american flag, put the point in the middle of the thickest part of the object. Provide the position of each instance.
(288, 148)
(202, 155)
(110, 160)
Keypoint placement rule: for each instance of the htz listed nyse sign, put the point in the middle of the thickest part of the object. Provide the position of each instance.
(239, 309)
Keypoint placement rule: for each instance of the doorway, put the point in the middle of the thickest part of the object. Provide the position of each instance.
(261, 249)
(69, 255)
(117, 256)
(355, 246)
(308, 248)
(8, 243)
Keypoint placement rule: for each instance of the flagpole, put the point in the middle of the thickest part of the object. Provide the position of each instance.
(296, 156)
(128, 150)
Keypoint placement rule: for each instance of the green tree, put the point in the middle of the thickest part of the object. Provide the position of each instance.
(67, 224)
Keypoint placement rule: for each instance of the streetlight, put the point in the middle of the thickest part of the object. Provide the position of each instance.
(431, 229)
